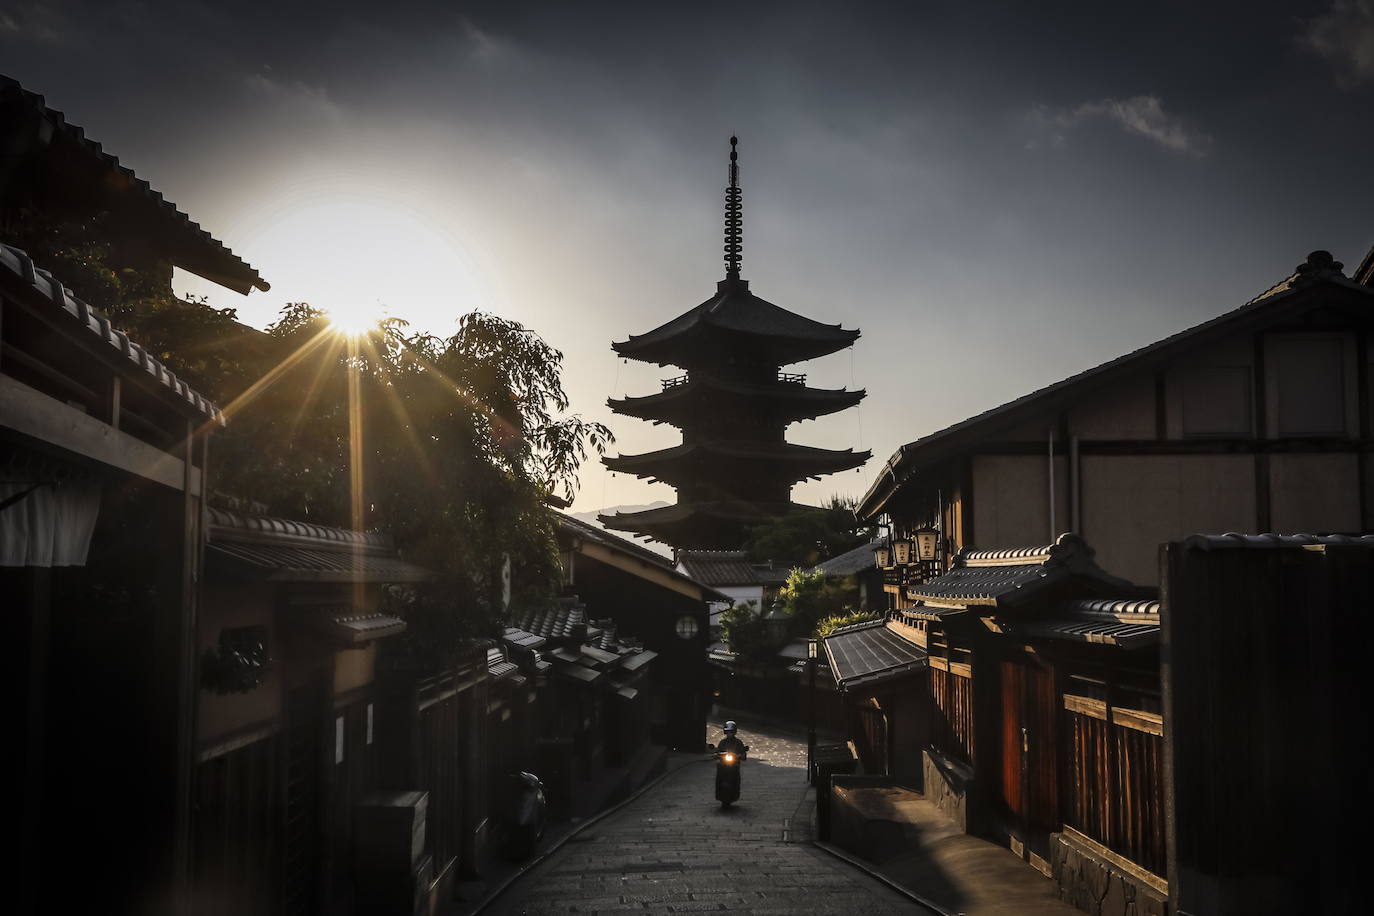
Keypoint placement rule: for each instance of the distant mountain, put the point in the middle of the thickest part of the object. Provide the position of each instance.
(591, 519)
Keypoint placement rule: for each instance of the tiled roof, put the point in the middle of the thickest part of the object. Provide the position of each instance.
(18, 272)
(866, 654)
(851, 562)
(359, 629)
(230, 523)
(1272, 541)
(1125, 635)
(999, 577)
(802, 460)
(234, 271)
(776, 398)
(519, 639)
(1125, 622)
(498, 666)
(278, 549)
(602, 536)
(718, 567)
(290, 563)
(735, 310)
(1365, 272)
(558, 621)
(1319, 268)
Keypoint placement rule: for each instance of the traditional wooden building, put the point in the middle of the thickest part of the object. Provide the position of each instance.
(52, 174)
(103, 472)
(734, 467)
(1043, 717)
(289, 711)
(1257, 420)
(654, 604)
(592, 743)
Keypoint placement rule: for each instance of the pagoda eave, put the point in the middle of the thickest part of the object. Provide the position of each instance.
(702, 524)
(783, 460)
(782, 401)
(702, 347)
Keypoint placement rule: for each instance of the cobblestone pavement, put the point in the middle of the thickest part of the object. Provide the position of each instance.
(675, 850)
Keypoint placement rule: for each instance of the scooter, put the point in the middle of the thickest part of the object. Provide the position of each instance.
(528, 815)
(727, 776)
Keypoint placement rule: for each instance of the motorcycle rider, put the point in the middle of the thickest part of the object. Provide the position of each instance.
(731, 742)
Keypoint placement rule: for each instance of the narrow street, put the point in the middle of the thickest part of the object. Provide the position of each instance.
(674, 850)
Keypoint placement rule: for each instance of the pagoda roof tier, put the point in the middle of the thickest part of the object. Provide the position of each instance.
(697, 393)
(780, 460)
(714, 525)
(735, 323)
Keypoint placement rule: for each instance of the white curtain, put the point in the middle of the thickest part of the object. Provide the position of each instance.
(51, 525)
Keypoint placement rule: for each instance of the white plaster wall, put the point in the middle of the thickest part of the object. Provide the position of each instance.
(1011, 500)
(1132, 504)
(225, 607)
(1314, 494)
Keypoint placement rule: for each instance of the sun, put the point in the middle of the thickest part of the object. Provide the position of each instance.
(353, 321)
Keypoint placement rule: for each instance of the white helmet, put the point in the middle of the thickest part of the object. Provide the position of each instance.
(730, 726)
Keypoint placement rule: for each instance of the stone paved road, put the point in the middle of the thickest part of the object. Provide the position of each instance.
(675, 850)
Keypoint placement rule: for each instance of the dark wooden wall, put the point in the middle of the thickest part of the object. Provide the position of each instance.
(645, 611)
(1267, 698)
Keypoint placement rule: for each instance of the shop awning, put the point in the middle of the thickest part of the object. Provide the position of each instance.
(866, 655)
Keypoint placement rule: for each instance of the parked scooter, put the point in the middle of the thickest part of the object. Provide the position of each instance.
(529, 814)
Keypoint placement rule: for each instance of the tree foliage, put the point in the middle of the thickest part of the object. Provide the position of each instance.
(744, 630)
(461, 437)
(807, 536)
(828, 625)
(807, 598)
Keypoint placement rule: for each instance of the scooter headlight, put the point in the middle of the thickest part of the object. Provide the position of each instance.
(729, 758)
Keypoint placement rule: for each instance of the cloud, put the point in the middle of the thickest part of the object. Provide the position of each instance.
(1344, 36)
(40, 22)
(1141, 115)
(296, 95)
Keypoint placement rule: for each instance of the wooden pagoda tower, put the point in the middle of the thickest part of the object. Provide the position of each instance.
(734, 468)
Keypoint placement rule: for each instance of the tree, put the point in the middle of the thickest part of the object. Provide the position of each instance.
(461, 438)
(807, 536)
(744, 630)
(809, 597)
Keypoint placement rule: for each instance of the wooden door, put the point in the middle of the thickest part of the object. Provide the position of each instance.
(1029, 780)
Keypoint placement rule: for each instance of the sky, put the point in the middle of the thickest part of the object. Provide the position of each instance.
(998, 195)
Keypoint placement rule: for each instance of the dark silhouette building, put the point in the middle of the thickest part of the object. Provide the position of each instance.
(734, 467)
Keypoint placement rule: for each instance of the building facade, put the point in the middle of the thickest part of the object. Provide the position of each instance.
(1258, 420)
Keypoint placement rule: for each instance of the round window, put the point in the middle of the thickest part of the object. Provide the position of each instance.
(686, 627)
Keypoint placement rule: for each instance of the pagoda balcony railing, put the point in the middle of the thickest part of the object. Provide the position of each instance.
(787, 378)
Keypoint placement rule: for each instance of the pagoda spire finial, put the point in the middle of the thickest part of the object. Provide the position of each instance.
(734, 221)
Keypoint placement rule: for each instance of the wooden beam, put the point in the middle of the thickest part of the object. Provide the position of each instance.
(33, 414)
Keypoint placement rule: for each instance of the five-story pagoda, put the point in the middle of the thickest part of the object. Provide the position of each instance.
(734, 468)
